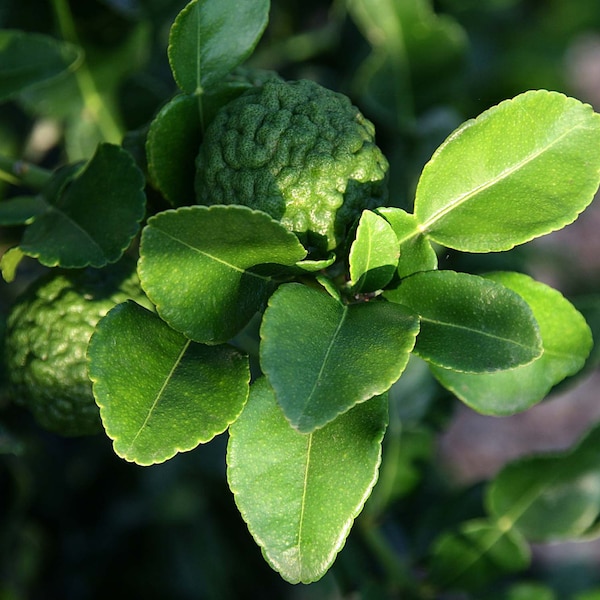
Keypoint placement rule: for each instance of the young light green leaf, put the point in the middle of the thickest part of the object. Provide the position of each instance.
(160, 393)
(196, 265)
(9, 262)
(208, 39)
(553, 496)
(300, 493)
(30, 59)
(468, 323)
(21, 210)
(416, 252)
(323, 357)
(171, 147)
(477, 554)
(567, 342)
(92, 221)
(522, 169)
(374, 254)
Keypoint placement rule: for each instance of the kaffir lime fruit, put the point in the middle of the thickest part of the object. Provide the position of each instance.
(297, 151)
(48, 330)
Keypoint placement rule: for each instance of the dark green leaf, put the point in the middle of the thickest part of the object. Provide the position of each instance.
(92, 220)
(476, 555)
(522, 169)
(158, 392)
(196, 266)
(374, 254)
(29, 59)
(416, 252)
(300, 493)
(21, 210)
(469, 323)
(323, 357)
(171, 148)
(567, 342)
(208, 39)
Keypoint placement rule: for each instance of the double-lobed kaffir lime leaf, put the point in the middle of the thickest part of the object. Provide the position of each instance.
(90, 214)
(567, 342)
(200, 266)
(522, 169)
(30, 59)
(322, 357)
(206, 43)
(468, 323)
(300, 493)
(160, 393)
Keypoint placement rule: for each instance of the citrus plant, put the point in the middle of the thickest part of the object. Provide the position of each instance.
(286, 295)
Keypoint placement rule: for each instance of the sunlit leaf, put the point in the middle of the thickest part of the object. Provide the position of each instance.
(522, 169)
(300, 493)
(160, 393)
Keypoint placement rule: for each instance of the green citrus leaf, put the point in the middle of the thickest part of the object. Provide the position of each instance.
(160, 393)
(469, 323)
(208, 39)
(416, 252)
(550, 497)
(323, 357)
(91, 221)
(522, 169)
(477, 554)
(196, 265)
(9, 262)
(374, 254)
(300, 493)
(21, 210)
(30, 59)
(171, 147)
(567, 342)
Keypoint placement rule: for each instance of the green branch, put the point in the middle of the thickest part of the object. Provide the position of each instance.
(19, 172)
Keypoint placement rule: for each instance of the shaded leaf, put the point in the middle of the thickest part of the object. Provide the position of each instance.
(468, 323)
(300, 493)
(208, 39)
(160, 393)
(30, 59)
(566, 340)
(322, 357)
(476, 555)
(91, 221)
(21, 210)
(196, 265)
(522, 169)
(374, 254)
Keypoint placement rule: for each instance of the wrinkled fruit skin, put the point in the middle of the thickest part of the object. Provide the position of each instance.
(298, 151)
(48, 330)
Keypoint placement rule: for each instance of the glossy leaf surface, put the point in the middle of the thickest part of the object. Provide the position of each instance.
(171, 147)
(205, 43)
(374, 254)
(477, 554)
(322, 357)
(566, 339)
(522, 169)
(30, 59)
(196, 266)
(158, 392)
(300, 493)
(468, 323)
(91, 221)
(416, 252)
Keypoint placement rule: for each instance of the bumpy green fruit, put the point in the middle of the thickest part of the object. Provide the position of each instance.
(48, 330)
(298, 151)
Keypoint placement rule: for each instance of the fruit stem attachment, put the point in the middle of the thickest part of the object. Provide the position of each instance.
(20, 172)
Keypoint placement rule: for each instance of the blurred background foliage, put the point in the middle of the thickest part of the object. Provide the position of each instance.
(76, 522)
